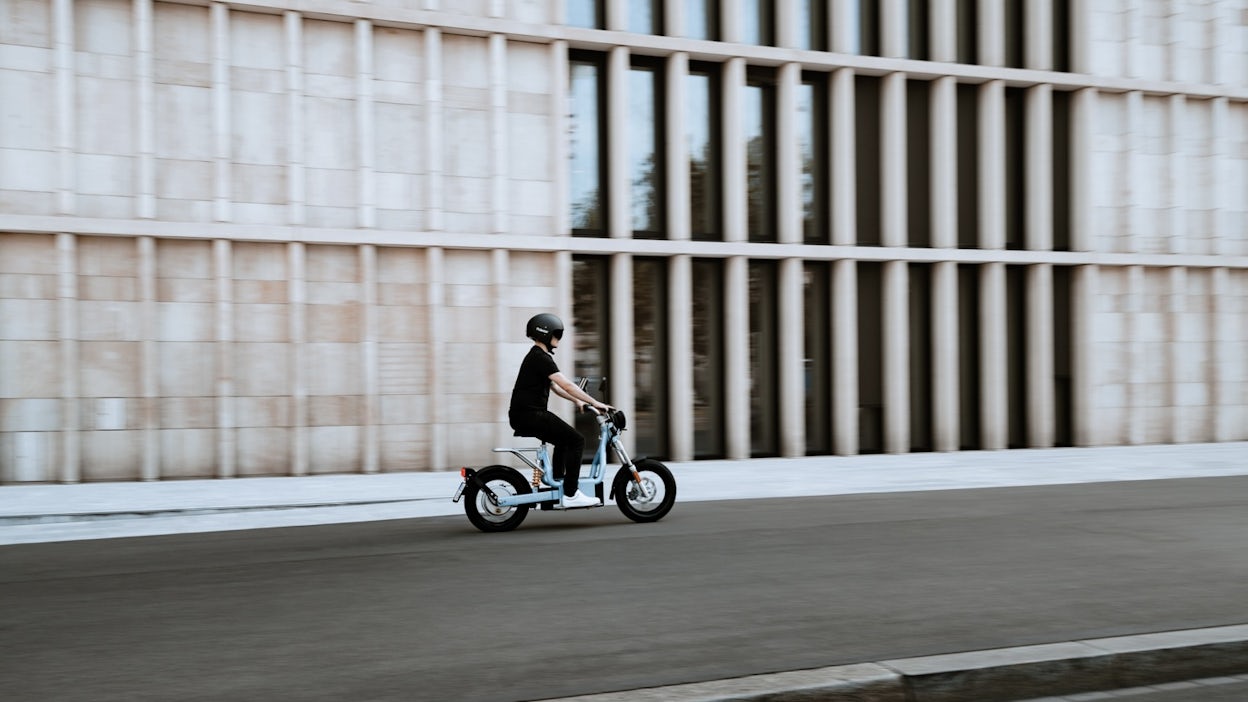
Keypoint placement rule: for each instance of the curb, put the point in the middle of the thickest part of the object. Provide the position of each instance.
(996, 675)
(103, 515)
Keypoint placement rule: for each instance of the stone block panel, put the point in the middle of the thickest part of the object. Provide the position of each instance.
(262, 369)
(260, 412)
(111, 455)
(29, 320)
(31, 415)
(263, 451)
(404, 447)
(188, 453)
(335, 449)
(188, 412)
(186, 369)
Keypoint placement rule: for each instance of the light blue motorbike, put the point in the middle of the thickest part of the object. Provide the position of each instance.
(498, 498)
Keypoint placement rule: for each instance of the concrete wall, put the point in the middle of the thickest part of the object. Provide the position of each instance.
(248, 241)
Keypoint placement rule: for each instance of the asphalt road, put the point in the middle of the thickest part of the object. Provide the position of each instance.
(431, 609)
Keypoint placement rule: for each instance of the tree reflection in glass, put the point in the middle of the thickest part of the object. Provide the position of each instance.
(585, 147)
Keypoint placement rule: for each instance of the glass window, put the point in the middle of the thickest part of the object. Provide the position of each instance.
(708, 359)
(585, 152)
(701, 20)
(702, 141)
(585, 13)
(818, 357)
(764, 395)
(645, 150)
(967, 22)
(870, 357)
(590, 324)
(760, 134)
(812, 25)
(812, 128)
(758, 27)
(1015, 35)
(1015, 168)
(968, 166)
(645, 16)
(650, 355)
(917, 30)
(866, 17)
(918, 163)
(922, 436)
(867, 158)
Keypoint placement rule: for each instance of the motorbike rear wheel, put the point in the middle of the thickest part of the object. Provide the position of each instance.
(483, 512)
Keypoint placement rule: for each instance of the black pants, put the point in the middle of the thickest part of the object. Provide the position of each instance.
(568, 443)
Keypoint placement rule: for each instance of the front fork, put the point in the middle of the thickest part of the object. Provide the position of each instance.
(628, 463)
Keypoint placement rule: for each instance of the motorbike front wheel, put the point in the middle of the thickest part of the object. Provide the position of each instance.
(650, 500)
(483, 512)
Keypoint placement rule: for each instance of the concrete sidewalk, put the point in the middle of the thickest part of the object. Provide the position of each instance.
(43, 513)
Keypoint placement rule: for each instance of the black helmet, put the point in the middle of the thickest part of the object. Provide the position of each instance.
(544, 326)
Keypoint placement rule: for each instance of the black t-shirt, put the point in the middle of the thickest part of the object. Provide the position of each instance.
(532, 389)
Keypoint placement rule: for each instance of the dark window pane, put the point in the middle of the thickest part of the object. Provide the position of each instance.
(585, 149)
(812, 131)
(585, 13)
(867, 161)
(1016, 353)
(818, 357)
(708, 359)
(650, 359)
(867, 14)
(1063, 358)
(702, 142)
(870, 357)
(1015, 34)
(645, 151)
(1061, 171)
(968, 166)
(967, 38)
(916, 29)
(760, 134)
(590, 323)
(1015, 168)
(918, 158)
(968, 356)
(764, 399)
(920, 318)
(1061, 35)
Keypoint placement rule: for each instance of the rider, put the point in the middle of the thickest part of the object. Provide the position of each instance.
(528, 414)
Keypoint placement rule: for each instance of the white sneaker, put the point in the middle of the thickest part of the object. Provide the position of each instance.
(580, 499)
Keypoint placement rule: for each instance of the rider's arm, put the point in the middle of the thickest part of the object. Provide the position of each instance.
(567, 389)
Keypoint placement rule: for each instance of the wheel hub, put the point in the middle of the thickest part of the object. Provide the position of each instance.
(643, 493)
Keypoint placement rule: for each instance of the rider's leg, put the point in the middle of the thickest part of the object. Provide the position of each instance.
(568, 442)
(568, 454)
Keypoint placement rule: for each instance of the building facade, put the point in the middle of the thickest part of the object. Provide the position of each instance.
(283, 238)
